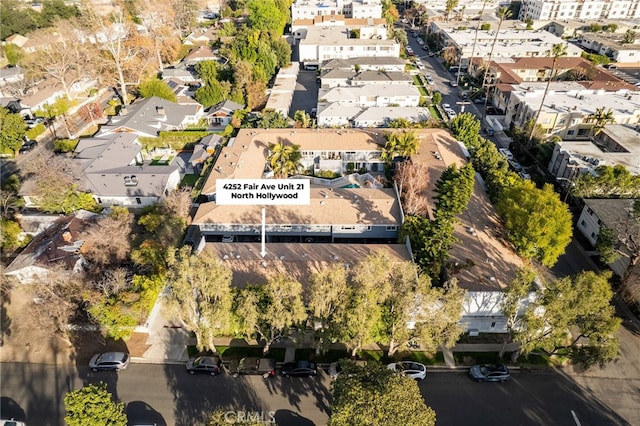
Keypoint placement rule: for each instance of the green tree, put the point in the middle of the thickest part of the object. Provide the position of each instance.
(608, 182)
(270, 311)
(399, 123)
(374, 395)
(569, 310)
(438, 320)
(200, 295)
(537, 221)
(93, 405)
(213, 92)
(515, 299)
(449, 6)
(12, 131)
(485, 26)
(13, 53)
(454, 189)
(436, 98)
(600, 118)
(9, 233)
(267, 15)
(370, 287)
(399, 144)
(466, 128)
(327, 299)
(282, 50)
(270, 119)
(158, 88)
(629, 37)
(302, 119)
(606, 245)
(284, 159)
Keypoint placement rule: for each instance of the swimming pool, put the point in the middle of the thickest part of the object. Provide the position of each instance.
(351, 185)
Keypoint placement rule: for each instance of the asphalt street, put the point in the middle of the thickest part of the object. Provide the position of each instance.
(168, 395)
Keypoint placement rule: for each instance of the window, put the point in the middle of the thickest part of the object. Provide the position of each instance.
(583, 223)
(570, 132)
(138, 200)
(99, 200)
(392, 228)
(593, 235)
(493, 325)
(589, 211)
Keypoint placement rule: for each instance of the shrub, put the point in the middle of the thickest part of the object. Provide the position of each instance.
(65, 145)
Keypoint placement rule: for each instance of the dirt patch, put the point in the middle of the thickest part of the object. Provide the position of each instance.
(137, 344)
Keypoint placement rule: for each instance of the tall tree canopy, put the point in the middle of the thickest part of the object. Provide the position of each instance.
(374, 395)
(538, 222)
(93, 405)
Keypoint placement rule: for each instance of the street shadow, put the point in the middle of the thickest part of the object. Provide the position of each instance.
(290, 418)
(141, 413)
(197, 396)
(9, 409)
(533, 398)
(5, 320)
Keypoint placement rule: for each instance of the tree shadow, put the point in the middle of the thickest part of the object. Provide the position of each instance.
(141, 413)
(291, 418)
(10, 409)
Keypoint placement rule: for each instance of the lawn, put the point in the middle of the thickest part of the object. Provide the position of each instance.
(189, 181)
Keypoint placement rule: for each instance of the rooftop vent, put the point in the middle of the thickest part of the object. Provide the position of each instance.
(160, 110)
(131, 180)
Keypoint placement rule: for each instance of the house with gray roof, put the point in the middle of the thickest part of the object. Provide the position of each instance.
(118, 171)
(152, 115)
(221, 113)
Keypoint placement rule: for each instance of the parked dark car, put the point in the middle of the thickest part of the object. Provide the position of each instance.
(265, 367)
(28, 146)
(205, 364)
(489, 373)
(109, 361)
(299, 369)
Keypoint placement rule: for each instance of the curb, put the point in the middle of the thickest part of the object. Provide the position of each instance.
(141, 360)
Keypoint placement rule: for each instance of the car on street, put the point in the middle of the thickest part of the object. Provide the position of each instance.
(429, 79)
(109, 361)
(411, 369)
(265, 367)
(420, 42)
(299, 369)
(420, 65)
(409, 51)
(33, 122)
(12, 422)
(205, 364)
(453, 83)
(489, 373)
(506, 153)
(445, 106)
(489, 131)
(28, 146)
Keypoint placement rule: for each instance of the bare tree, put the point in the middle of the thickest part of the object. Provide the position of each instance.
(57, 298)
(108, 240)
(63, 57)
(412, 180)
(178, 203)
(159, 19)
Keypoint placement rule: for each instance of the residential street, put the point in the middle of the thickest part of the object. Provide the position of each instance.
(166, 394)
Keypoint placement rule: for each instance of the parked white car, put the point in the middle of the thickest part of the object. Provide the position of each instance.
(412, 369)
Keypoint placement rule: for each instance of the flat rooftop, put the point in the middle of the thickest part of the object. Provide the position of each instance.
(572, 97)
(489, 261)
(339, 36)
(296, 261)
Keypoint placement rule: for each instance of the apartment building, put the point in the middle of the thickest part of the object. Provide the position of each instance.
(308, 9)
(611, 45)
(568, 107)
(508, 43)
(579, 9)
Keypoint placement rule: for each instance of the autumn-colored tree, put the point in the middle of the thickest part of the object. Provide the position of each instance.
(412, 180)
(115, 249)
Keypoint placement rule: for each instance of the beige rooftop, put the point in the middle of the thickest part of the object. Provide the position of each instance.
(296, 261)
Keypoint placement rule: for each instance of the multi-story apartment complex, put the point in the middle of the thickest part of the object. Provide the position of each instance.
(508, 43)
(569, 108)
(308, 9)
(611, 45)
(579, 9)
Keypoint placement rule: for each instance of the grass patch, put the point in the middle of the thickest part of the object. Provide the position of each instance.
(189, 181)
(434, 112)
(159, 161)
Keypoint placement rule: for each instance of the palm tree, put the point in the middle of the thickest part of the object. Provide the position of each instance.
(400, 144)
(475, 39)
(284, 159)
(600, 118)
(557, 50)
(503, 13)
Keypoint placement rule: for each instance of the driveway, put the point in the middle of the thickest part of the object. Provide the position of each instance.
(305, 96)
